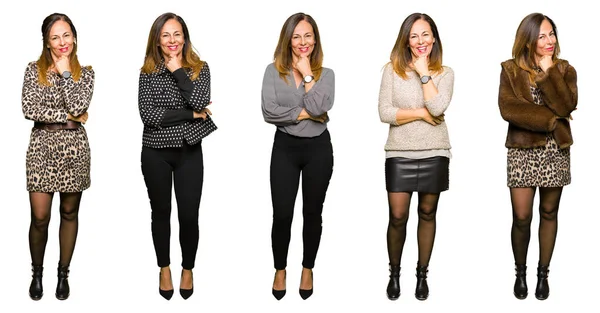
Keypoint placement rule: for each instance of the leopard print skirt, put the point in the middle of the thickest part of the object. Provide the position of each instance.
(546, 166)
(58, 161)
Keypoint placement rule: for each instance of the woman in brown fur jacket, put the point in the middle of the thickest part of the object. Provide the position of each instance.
(538, 92)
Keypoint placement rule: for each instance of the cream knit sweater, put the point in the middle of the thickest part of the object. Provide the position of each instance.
(396, 93)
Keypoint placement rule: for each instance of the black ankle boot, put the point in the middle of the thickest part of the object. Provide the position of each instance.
(542, 289)
(520, 288)
(36, 290)
(393, 287)
(62, 287)
(422, 290)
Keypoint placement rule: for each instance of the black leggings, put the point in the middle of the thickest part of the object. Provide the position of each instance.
(183, 166)
(313, 157)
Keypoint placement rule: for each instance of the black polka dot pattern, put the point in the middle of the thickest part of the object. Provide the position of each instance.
(159, 92)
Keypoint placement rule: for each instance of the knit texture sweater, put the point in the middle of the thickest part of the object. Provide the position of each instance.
(396, 93)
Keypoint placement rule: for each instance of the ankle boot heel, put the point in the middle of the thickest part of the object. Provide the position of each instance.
(520, 288)
(62, 287)
(422, 289)
(393, 287)
(542, 288)
(36, 290)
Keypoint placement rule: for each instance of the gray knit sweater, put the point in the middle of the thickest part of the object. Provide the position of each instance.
(396, 93)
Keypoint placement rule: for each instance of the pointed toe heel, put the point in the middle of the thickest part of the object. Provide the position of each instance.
(306, 293)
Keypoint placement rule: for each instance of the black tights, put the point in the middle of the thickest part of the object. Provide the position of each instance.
(41, 204)
(522, 205)
(399, 204)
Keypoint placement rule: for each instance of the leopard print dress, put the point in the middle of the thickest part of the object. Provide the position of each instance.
(546, 166)
(57, 160)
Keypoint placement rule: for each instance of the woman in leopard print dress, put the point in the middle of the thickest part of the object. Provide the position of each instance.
(56, 94)
(538, 92)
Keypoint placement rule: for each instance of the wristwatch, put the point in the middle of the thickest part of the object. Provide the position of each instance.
(66, 74)
(308, 78)
(425, 79)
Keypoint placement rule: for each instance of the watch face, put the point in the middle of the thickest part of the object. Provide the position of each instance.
(66, 74)
(425, 79)
(308, 79)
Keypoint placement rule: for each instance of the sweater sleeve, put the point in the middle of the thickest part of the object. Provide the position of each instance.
(274, 113)
(319, 99)
(559, 92)
(440, 102)
(521, 112)
(387, 112)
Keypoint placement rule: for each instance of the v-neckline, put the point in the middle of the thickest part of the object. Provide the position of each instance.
(298, 85)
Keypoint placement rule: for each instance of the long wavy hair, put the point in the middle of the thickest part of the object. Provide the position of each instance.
(401, 56)
(45, 61)
(283, 55)
(526, 39)
(190, 59)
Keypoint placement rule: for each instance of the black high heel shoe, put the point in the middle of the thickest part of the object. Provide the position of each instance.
(167, 294)
(186, 293)
(62, 287)
(278, 294)
(306, 293)
(520, 288)
(36, 290)
(393, 287)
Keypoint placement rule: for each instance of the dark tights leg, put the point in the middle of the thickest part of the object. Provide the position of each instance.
(522, 206)
(399, 204)
(41, 204)
(426, 229)
(549, 201)
(69, 222)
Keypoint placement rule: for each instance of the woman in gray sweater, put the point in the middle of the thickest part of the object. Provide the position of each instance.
(297, 93)
(415, 91)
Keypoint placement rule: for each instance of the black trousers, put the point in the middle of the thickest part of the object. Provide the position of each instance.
(292, 156)
(183, 166)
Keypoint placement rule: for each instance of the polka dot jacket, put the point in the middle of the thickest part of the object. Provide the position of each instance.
(167, 101)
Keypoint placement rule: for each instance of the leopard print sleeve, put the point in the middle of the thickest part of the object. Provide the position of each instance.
(78, 94)
(32, 100)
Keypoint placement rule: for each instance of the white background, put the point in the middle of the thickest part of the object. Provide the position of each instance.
(114, 265)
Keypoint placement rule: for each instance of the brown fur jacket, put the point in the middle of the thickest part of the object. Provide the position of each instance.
(528, 123)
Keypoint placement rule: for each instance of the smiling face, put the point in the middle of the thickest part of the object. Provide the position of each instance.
(60, 39)
(303, 40)
(420, 40)
(171, 38)
(546, 40)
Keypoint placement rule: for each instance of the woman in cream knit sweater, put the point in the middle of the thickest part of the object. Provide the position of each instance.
(415, 91)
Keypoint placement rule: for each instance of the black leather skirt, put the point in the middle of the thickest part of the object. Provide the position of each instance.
(429, 175)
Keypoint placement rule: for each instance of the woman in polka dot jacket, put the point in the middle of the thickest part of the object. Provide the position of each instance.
(174, 90)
